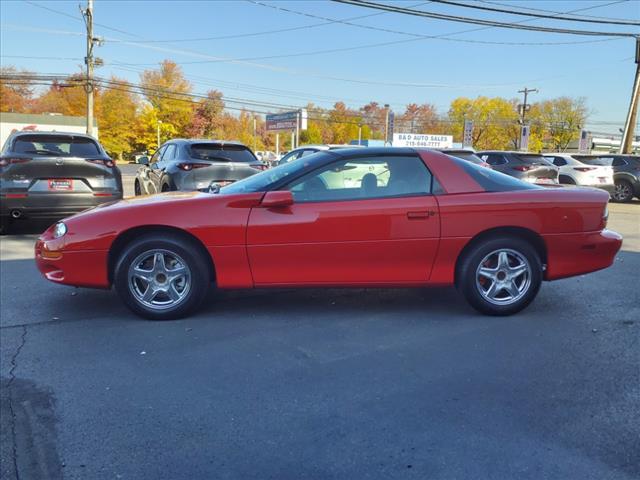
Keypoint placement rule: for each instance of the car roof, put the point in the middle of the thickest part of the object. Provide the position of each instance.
(375, 151)
(190, 141)
(453, 150)
(52, 133)
(514, 152)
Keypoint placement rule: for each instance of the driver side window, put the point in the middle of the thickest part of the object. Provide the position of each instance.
(364, 178)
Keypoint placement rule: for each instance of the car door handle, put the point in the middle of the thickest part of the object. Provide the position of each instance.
(419, 215)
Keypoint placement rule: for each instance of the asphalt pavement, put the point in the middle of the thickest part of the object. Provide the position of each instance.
(322, 384)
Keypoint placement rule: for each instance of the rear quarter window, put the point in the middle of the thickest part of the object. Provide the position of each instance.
(493, 181)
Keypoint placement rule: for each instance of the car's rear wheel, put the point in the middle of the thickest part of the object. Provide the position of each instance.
(136, 189)
(5, 224)
(166, 188)
(162, 277)
(623, 191)
(500, 276)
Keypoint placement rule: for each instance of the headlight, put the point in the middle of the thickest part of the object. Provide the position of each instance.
(59, 230)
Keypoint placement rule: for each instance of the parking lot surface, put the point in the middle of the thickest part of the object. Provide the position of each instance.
(323, 384)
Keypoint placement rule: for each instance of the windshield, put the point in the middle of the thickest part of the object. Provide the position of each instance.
(221, 152)
(56, 146)
(263, 180)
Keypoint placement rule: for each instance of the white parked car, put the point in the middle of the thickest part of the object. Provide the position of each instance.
(574, 172)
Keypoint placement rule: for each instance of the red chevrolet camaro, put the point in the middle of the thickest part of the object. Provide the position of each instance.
(383, 217)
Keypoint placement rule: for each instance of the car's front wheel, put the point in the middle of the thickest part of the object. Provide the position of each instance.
(162, 277)
(500, 276)
(623, 191)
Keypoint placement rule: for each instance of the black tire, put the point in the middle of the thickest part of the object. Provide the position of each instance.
(470, 283)
(623, 192)
(166, 188)
(5, 225)
(137, 191)
(174, 247)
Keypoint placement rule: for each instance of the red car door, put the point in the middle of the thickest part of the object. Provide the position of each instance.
(359, 221)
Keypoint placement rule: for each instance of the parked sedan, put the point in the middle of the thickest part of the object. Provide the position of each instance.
(529, 167)
(195, 165)
(575, 172)
(52, 175)
(431, 220)
(626, 173)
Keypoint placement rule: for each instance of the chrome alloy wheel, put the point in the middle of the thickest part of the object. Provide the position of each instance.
(503, 276)
(159, 279)
(622, 191)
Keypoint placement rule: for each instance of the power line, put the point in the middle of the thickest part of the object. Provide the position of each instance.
(478, 21)
(573, 12)
(269, 32)
(538, 15)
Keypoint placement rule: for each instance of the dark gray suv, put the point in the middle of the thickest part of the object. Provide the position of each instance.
(52, 175)
(194, 165)
(529, 167)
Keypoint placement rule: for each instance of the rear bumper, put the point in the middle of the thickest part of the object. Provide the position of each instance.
(575, 254)
(51, 205)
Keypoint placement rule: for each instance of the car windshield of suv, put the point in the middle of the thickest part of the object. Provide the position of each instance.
(606, 161)
(56, 146)
(261, 182)
(221, 152)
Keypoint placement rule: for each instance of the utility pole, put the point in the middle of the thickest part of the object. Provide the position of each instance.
(158, 132)
(523, 114)
(359, 134)
(90, 62)
(626, 143)
(254, 134)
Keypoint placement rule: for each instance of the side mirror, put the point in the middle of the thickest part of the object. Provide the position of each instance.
(214, 187)
(278, 198)
(143, 160)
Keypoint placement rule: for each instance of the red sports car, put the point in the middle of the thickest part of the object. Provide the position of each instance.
(342, 218)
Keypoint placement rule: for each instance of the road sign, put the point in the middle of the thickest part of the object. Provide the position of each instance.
(467, 137)
(424, 141)
(525, 131)
(392, 121)
(287, 120)
(585, 142)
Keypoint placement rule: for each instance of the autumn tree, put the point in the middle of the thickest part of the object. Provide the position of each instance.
(208, 118)
(117, 119)
(558, 121)
(15, 93)
(67, 97)
(495, 121)
(167, 92)
(418, 119)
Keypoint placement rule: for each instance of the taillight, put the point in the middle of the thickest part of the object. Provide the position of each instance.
(584, 169)
(101, 161)
(522, 168)
(190, 166)
(11, 161)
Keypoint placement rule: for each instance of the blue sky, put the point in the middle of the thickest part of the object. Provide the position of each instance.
(409, 69)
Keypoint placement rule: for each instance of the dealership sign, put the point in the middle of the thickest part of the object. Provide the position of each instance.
(428, 141)
(525, 131)
(467, 135)
(287, 120)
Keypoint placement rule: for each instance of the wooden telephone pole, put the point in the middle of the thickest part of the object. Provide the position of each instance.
(90, 62)
(629, 126)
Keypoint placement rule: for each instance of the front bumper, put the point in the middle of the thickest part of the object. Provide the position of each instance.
(576, 254)
(51, 206)
(82, 268)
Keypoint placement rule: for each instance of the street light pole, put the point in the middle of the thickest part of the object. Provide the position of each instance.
(359, 134)
(158, 126)
(254, 134)
(386, 123)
